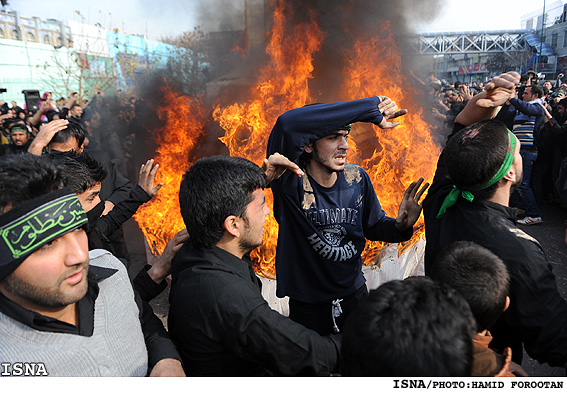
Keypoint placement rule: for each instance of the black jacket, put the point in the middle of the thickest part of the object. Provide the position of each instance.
(537, 316)
(222, 325)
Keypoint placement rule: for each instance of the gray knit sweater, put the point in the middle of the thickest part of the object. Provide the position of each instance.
(116, 347)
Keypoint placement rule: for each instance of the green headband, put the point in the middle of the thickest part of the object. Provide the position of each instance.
(451, 199)
(18, 129)
(27, 227)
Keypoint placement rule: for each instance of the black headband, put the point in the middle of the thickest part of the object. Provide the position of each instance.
(27, 227)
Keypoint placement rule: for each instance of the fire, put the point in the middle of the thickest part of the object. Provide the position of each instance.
(177, 142)
(393, 158)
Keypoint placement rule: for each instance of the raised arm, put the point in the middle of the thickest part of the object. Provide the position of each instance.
(45, 134)
(486, 104)
(301, 126)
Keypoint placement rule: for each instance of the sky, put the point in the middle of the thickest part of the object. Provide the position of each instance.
(170, 17)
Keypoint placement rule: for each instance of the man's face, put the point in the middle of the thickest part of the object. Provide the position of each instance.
(330, 152)
(76, 112)
(52, 277)
(20, 138)
(547, 84)
(68, 145)
(527, 95)
(90, 198)
(254, 219)
(452, 97)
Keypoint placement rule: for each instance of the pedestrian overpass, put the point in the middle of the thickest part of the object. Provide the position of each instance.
(471, 42)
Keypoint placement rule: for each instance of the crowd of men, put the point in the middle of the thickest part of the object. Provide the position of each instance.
(68, 303)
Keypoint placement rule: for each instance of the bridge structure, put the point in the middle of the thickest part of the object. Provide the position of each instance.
(482, 42)
(456, 47)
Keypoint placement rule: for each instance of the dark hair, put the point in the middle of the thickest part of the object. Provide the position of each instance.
(563, 102)
(24, 177)
(81, 171)
(537, 89)
(213, 189)
(414, 327)
(475, 154)
(73, 129)
(478, 275)
(545, 90)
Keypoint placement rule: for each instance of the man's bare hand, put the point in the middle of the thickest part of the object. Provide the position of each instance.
(168, 368)
(162, 266)
(499, 90)
(410, 208)
(108, 206)
(147, 176)
(465, 92)
(45, 134)
(389, 110)
(275, 165)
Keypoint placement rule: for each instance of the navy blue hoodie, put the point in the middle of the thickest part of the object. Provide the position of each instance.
(323, 231)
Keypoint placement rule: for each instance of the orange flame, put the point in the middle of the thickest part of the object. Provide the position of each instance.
(177, 142)
(393, 158)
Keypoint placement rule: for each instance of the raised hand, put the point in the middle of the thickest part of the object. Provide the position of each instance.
(500, 89)
(410, 207)
(147, 176)
(275, 165)
(389, 110)
(45, 134)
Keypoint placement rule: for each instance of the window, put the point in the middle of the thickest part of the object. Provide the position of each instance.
(554, 40)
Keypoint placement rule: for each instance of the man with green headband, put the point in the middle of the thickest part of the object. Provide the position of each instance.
(469, 201)
(65, 311)
(20, 138)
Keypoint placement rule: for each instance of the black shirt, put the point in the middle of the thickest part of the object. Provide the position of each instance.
(537, 316)
(222, 325)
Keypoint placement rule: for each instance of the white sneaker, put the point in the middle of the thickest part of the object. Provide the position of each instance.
(530, 221)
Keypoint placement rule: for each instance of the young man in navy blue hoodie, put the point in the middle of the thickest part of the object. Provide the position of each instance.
(326, 216)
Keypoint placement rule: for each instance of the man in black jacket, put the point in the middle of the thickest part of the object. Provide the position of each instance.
(218, 318)
(469, 200)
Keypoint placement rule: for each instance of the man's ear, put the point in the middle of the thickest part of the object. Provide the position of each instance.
(81, 148)
(231, 225)
(308, 148)
(512, 174)
(507, 303)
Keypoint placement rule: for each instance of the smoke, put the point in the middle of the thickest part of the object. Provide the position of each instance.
(221, 15)
(342, 22)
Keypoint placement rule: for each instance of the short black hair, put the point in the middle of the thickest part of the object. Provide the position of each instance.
(415, 327)
(478, 275)
(81, 170)
(24, 177)
(475, 154)
(74, 129)
(537, 89)
(213, 189)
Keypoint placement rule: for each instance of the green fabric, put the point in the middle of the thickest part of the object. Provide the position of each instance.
(451, 199)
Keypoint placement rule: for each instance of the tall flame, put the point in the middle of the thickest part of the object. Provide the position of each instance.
(393, 158)
(177, 142)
